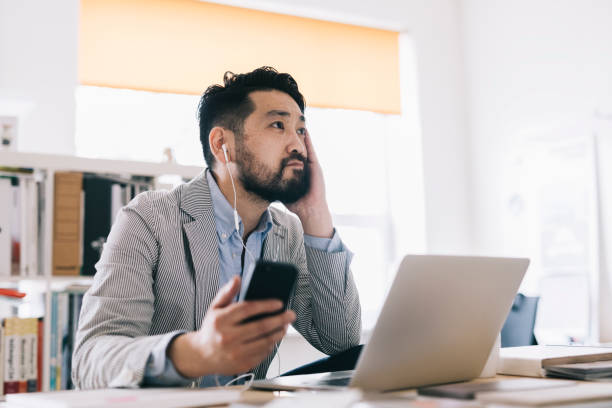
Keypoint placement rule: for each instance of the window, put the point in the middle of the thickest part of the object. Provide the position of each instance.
(549, 217)
(357, 149)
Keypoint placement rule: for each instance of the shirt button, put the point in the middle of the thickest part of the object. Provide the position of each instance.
(224, 235)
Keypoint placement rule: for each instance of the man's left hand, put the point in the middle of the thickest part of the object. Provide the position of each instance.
(312, 209)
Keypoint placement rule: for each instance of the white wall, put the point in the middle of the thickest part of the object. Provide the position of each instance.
(435, 26)
(38, 71)
(530, 65)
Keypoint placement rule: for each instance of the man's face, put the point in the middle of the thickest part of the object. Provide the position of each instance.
(271, 155)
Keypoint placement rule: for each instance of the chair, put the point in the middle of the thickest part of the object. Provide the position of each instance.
(518, 328)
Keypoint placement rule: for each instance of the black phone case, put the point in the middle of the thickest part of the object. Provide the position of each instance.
(271, 280)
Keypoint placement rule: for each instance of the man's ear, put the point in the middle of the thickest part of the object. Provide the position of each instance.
(216, 138)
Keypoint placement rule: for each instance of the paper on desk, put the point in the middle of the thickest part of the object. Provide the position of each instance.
(581, 392)
(321, 399)
(124, 398)
(418, 403)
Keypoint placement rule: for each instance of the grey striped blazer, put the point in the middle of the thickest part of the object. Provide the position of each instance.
(159, 272)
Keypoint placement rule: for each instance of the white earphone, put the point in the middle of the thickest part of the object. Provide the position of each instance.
(236, 220)
(224, 148)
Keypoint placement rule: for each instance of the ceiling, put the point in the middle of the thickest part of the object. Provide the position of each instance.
(395, 15)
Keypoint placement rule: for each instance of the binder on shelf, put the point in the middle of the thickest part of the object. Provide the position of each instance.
(5, 226)
(53, 343)
(15, 210)
(98, 207)
(65, 310)
(22, 356)
(62, 337)
(2, 352)
(66, 223)
(31, 343)
(32, 227)
(39, 353)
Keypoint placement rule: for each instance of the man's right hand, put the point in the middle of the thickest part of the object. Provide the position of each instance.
(223, 344)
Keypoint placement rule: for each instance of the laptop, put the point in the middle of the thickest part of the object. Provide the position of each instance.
(438, 325)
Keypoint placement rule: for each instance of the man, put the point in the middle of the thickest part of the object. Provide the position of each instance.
(162, 309)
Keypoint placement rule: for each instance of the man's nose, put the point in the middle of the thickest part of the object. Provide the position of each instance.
(297, 143)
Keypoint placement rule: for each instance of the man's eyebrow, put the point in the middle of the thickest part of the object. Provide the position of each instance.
(276, 112)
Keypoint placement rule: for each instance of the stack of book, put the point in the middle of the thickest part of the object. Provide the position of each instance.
(575, 362)
(21, 222)
(596, 370)
(85, 206)
(21, 354)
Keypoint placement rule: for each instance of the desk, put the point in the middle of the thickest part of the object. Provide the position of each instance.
(254, 398)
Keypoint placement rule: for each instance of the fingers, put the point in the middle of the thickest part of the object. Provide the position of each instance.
(236, 313)
(312, 156)
(264, 344)
(226, 294)
(264, 327)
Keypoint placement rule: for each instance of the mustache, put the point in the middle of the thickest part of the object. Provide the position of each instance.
(293, 156)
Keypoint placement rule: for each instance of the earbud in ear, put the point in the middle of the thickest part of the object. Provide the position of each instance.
(224, 148)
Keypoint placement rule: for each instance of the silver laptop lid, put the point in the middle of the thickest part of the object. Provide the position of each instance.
(439, 321)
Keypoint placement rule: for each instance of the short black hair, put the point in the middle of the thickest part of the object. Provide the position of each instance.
(228, 105)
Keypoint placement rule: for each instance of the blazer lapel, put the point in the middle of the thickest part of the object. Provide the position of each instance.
(201, 236)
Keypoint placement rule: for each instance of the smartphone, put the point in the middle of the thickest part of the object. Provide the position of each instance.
(271, 280)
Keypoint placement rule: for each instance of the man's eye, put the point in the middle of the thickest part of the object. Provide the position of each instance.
(301, 131)
(278, 125)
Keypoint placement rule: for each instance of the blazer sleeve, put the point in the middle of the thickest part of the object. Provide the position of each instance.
(112, 342)
(326, 301)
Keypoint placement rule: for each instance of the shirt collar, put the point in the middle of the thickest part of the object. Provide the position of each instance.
(224, 213)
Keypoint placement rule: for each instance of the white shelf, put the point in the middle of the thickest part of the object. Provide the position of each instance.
(49, 164)
(75, 278)
(72, 163)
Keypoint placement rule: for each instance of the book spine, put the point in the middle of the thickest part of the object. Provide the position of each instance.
(32, 219)
(15, 227)
(32, 355)
(53, 343)
(2, 353)
(5, 226)
(62, 327)
(67, 344)
(41, 228)
(24, 351)
(40, 329)
(11, 373)
(24, 261)
(66, 219)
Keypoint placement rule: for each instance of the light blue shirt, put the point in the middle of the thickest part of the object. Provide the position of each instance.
(159, 369)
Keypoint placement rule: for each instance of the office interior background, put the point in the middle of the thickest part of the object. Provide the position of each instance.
(492, 141)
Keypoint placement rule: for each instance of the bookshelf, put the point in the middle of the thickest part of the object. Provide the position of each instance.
(43, 168)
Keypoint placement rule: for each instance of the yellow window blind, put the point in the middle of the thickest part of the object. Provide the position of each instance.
(182, 46)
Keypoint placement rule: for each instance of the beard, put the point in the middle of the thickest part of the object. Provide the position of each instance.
(268, 184)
